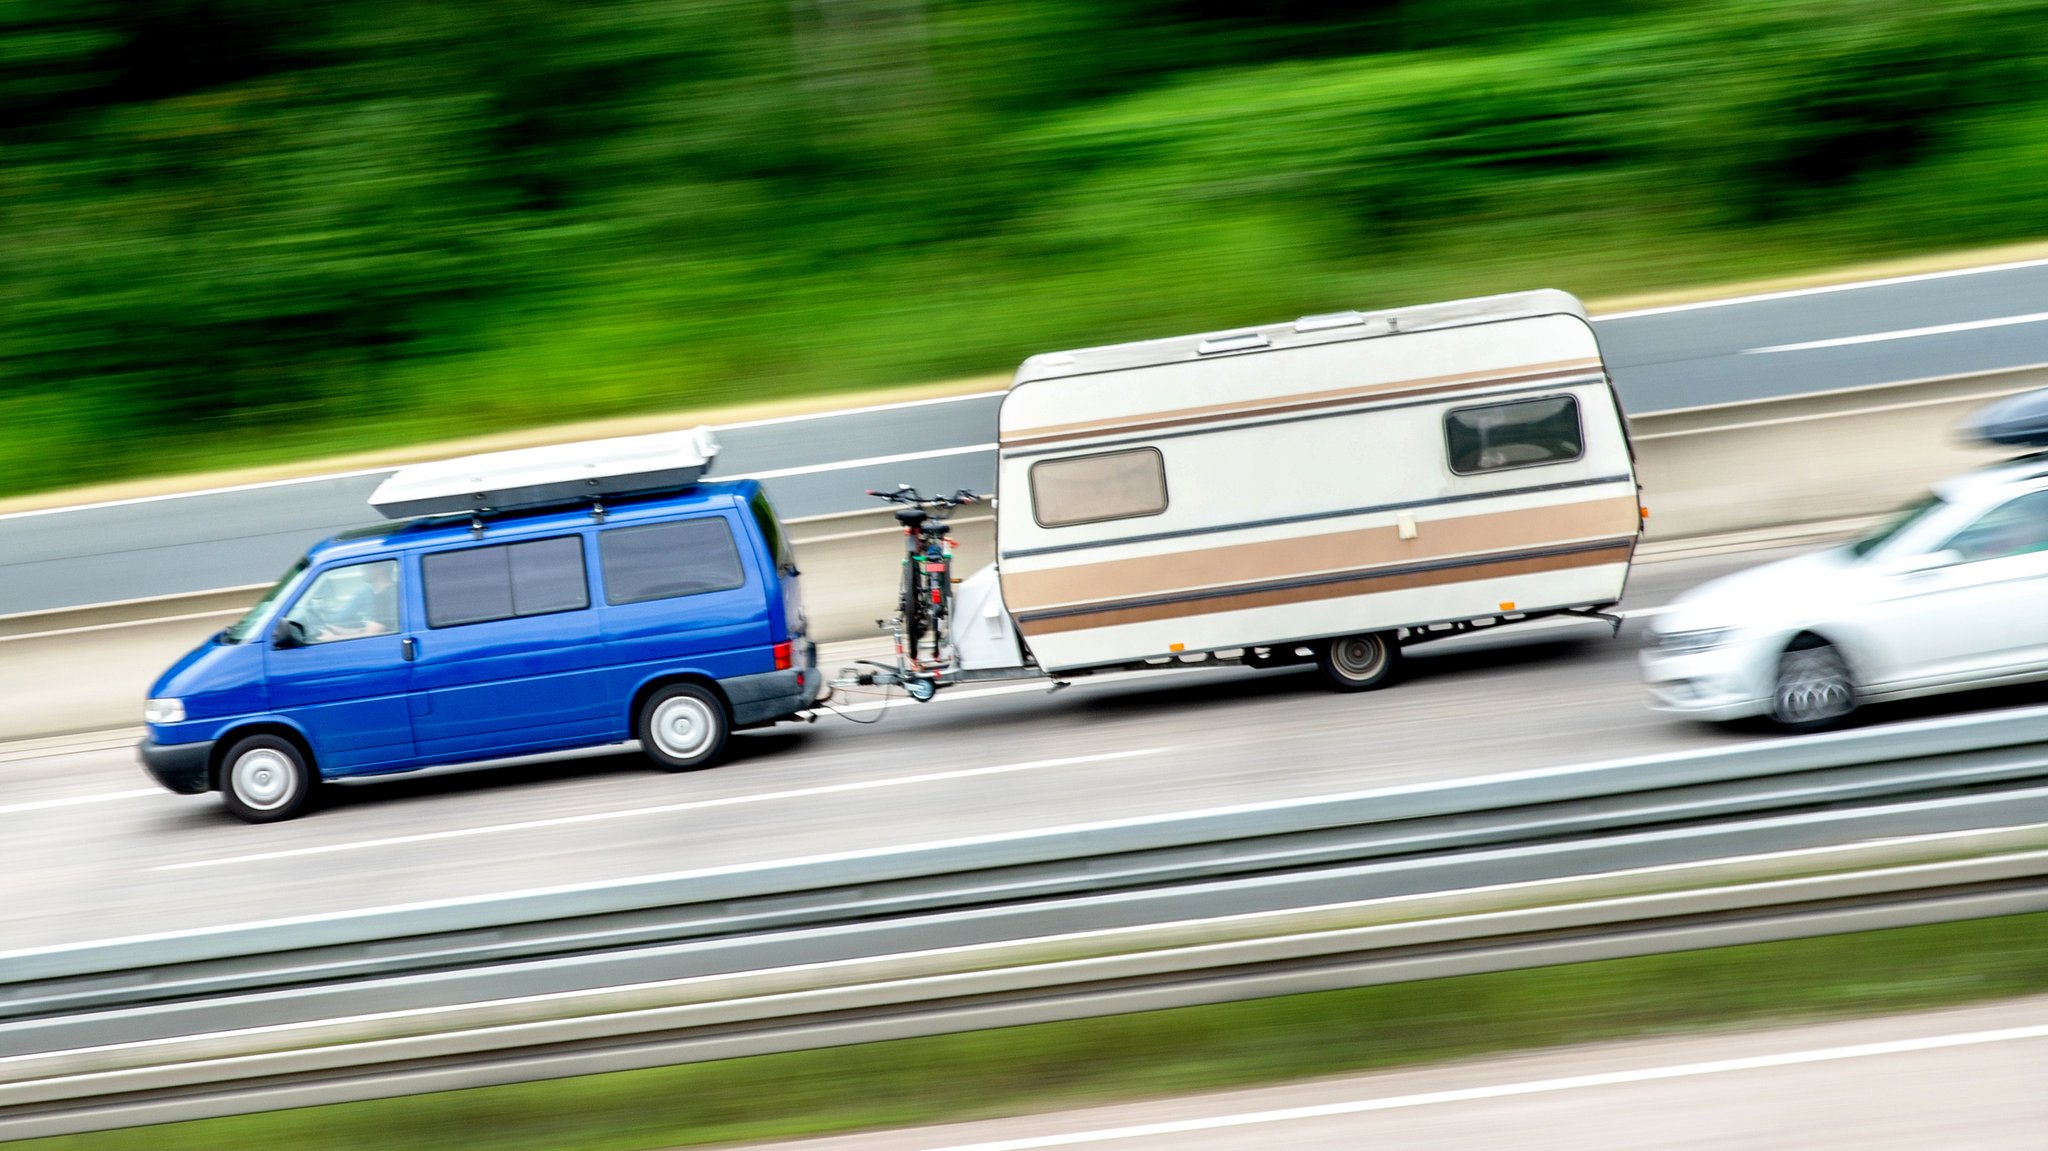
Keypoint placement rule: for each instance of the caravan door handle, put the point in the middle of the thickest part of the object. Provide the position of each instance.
(410, 647)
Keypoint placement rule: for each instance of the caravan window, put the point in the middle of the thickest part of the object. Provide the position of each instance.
(1090, 489)
(1518, 434)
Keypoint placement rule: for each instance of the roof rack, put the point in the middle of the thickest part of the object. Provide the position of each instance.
(556, 474)
(2016, 421)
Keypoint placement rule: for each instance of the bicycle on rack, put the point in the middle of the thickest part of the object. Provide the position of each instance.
(926, 608)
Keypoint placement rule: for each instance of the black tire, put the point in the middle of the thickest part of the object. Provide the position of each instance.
(683, 727)
(913, 610)
(1813, 691)
(1359, 662)
(265, 778)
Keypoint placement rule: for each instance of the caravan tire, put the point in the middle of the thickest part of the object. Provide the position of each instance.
(1359, 662)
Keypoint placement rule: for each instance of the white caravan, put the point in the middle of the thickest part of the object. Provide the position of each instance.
(1331, 488)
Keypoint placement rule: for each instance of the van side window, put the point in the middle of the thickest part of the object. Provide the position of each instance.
(662, 561)
(477, 585)
(1091, 489)
(1517, 434)
(771, 530)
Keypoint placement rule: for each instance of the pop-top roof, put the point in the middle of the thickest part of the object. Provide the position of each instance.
(557, 474)
(2019, 421)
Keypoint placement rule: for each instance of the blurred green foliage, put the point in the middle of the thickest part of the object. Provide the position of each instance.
(234, 231)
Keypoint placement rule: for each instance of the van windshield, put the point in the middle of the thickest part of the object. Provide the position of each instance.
(239, 631)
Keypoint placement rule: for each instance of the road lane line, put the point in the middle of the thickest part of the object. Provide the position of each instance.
(1900, 334)
(862, 411)
(78, 800)
(869, 461)
(1821, 290)
(1512, 1090)
(664, 809)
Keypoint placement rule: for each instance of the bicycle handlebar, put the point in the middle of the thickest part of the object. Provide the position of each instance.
(908, 495)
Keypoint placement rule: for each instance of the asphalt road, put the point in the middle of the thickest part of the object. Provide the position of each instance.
(96, 851)
(1662, 359)
(1959, 1080)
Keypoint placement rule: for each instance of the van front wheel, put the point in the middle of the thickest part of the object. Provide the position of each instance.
(264, 779)
(1359, 662)
(682, 727)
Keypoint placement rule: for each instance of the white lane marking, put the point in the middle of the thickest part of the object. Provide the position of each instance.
(868, 461)
(666, 809)
(1900, 334)
(1511, 1090)
(1824, 289)
(134, 500)
(124, 623)
(348, 475)
(895, 407)
(77, 800)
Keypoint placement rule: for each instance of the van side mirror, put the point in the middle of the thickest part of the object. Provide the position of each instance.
(288, 633)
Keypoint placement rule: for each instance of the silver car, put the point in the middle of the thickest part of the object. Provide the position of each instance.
(1952, 594)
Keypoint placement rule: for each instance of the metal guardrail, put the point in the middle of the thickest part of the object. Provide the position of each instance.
(1085, 858)
(925, 992)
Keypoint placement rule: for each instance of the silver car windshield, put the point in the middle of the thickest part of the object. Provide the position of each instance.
(1900, 520)
(239, 631)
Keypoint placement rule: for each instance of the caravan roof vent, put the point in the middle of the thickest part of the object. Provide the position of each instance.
(2019, 421)
(1329, 320)
(1239, 342)
(557, 474)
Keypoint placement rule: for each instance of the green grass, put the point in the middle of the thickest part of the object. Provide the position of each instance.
(1055, 1065)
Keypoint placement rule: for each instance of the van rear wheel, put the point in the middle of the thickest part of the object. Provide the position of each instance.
(682, 727)
(1359, 662)
(265, 779)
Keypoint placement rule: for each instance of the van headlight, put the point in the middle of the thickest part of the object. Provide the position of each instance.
(1699, 639)
(164, 711)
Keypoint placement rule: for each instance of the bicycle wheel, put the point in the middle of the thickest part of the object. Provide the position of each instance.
(912, 610)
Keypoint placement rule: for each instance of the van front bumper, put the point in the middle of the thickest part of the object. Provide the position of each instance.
(765, 698)
(180, 767)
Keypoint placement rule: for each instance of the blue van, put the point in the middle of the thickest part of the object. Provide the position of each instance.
(671, 618)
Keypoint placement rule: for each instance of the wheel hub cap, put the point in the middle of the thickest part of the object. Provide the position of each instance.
(681, 728)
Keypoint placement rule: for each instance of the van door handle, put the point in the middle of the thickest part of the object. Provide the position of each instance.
(411, 648)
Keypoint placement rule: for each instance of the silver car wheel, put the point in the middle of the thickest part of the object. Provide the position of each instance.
(683, 727)
(263, 779)
(1813, 688)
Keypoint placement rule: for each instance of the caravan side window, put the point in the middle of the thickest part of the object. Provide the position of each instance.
(1090, 489)
(1517, 434)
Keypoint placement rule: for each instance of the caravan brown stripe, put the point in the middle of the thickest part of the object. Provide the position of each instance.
(1364, 584)
(1305, 401)
(1299, 555)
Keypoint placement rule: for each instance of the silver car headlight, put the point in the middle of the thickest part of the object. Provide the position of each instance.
(164, 711)
(1699, 639)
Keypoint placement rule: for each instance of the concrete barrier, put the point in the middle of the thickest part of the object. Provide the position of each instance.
(1832, 456)
(1800, 459)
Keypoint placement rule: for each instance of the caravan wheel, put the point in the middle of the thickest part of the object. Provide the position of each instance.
(1359, 662)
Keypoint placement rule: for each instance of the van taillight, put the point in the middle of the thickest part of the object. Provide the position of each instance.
(782, 652)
